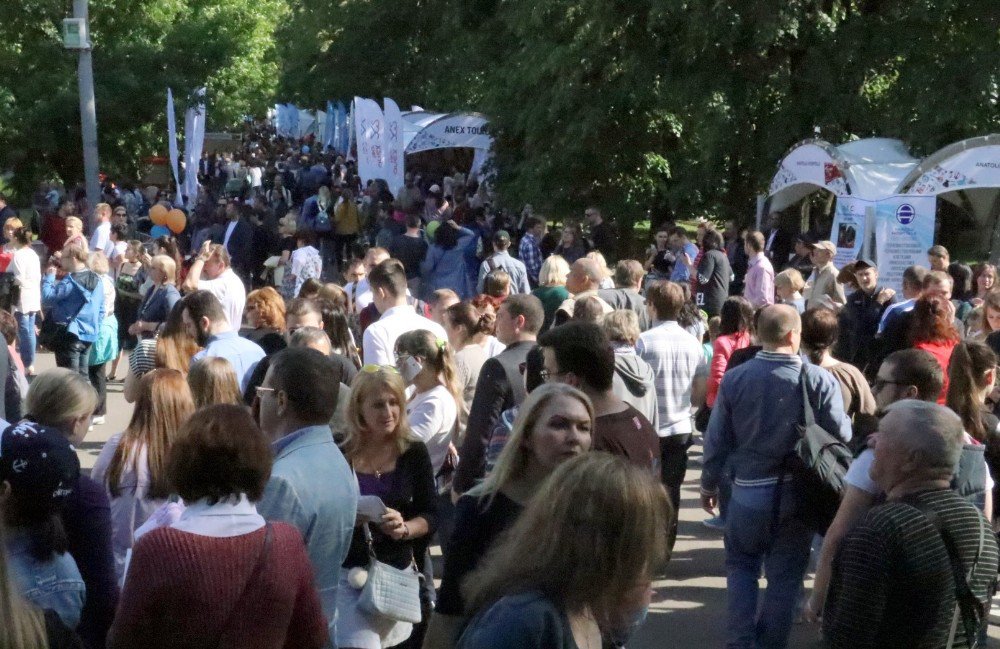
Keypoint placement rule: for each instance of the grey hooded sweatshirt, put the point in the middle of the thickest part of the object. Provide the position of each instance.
(633, 383)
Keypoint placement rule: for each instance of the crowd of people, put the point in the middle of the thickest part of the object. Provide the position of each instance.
(329, 379)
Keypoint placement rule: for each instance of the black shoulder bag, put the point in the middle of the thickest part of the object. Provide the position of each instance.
(818, 466)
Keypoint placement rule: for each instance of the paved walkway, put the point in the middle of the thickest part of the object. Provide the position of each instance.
(690, 608)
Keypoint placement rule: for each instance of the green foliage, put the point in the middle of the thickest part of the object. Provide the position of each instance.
(140, 48)
(679, 107)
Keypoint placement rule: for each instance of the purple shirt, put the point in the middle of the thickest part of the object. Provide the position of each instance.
(758, 287)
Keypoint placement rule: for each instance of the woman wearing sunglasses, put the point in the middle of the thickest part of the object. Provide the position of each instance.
(393, 465)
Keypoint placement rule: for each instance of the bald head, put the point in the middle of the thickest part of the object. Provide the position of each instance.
(778, 326)
(584, 275)
(917, 440)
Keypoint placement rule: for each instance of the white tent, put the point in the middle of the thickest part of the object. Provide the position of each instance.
(966, 174)
(423, 131)
(869, 169)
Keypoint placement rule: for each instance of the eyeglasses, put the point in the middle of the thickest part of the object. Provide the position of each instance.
(879, 384)
(372, 368)
(546, 375)
(261, 391)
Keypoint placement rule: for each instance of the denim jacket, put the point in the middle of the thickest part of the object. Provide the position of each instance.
(313, 488)
(77, 300)
(55, 584)
(754, 421)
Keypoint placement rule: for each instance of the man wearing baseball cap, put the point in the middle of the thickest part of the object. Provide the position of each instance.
(862, 314)
(501, 260)
(822, 288)
(38, 470)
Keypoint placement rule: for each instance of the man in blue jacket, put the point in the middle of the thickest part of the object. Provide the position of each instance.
(76, 305)
(752, 432)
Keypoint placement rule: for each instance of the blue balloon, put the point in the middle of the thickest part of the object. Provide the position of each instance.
(159, 231)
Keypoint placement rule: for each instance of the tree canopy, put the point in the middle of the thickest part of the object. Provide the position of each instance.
(683, 108)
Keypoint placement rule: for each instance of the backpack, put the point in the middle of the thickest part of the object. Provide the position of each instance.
(819, 467)
(322, 222)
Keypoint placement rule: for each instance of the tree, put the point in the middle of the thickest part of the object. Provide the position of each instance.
(140, 48)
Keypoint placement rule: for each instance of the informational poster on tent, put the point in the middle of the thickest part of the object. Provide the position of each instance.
(904, 230)
(848, 232)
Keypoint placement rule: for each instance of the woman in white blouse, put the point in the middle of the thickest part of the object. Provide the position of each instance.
(306, 260)
(27, 270)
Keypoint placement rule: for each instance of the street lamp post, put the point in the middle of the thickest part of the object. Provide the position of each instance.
(88, 108)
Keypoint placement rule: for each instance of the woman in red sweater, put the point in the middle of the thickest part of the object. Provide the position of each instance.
(932, 329)
(219, 576)
(736, 321)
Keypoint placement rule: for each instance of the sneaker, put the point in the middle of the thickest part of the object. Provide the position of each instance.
(715, 523)
(98, 421)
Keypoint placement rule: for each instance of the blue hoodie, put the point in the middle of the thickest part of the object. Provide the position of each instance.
(77, 301)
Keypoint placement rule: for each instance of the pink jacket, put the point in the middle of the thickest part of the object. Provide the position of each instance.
(722, 349)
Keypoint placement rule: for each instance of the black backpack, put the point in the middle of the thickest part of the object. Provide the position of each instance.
(818, 467)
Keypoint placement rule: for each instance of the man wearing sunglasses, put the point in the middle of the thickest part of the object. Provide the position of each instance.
(906, 374)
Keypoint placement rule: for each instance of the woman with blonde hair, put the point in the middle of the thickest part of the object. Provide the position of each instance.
(553, 425)
(105, 348)
(74, 234)
(392, 464)
(552, 286)
(428, 364)
(27, 270)
(132, 464)
(212, 381)
(64, 400)
(602, 263)
(159, 300)
(578, 564)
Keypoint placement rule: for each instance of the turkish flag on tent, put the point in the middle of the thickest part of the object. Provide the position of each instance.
(831, 172)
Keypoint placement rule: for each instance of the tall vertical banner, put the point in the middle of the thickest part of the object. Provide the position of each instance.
(343, 143)
(904, 230)
(393, 146)
(330, 130)
(194, 143)
(369, 124)
(848, 228)
(172, 139)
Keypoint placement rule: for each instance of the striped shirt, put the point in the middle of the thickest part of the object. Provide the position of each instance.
(893, 584)
(677, 359)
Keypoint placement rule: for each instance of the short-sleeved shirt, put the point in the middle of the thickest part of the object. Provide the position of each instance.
(228, 287)
(628, 434)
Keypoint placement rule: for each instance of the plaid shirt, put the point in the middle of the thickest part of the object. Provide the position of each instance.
(530, 255)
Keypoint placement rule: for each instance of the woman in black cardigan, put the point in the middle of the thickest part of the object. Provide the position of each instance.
(392, 465)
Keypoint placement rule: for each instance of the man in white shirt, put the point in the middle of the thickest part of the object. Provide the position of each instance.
(221, 281)
(101, 238)
(360, 293)
(388, 286)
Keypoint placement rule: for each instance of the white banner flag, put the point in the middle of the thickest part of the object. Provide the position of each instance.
(394, 163)
(172, 139)
(369, 124)
(194, 142)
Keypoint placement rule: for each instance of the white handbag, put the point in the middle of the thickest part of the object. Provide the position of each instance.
(389, 591)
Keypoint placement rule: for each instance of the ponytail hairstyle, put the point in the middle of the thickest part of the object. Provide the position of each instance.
(970, 361)
(436, 353)
(473, 321)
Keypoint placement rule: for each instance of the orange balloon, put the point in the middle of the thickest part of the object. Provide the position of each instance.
(176, 220)
(158, 214)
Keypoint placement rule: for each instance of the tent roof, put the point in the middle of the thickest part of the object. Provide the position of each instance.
(985, 148)
(869, 168)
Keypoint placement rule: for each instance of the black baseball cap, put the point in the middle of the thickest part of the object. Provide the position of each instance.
(864, 262)
(39, 461)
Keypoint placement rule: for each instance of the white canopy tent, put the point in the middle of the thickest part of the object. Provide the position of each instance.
(426, 131)
(967, 175)
(871, 169)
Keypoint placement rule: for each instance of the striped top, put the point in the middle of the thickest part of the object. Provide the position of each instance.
(893, 584)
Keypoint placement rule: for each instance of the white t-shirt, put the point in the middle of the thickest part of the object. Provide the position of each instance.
(101, 239)
(432, 417)
(859, 474)
(27, 270)
(230, 290)
(492, 346)
(379, 341)
(255, 174)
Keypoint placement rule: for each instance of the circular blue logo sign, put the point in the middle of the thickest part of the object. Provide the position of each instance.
(905, 214)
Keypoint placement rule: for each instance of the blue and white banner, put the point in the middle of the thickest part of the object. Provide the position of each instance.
(330, 130)
(394, 162)
(848, 232)
(904, 230)
(194, 143)
(172, 140)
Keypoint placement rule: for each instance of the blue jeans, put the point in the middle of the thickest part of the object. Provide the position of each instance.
(26, 337)
(754, 539)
